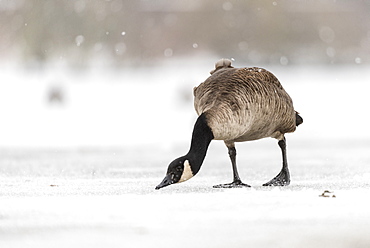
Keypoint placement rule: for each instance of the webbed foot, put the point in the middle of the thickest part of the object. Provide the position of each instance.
(282, 179)
(235, 184)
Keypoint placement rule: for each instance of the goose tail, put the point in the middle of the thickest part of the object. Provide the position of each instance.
(298, 119)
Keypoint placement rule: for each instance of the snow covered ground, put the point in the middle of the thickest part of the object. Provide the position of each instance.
(82, 173)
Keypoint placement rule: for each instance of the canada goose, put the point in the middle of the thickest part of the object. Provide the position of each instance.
(235, 105)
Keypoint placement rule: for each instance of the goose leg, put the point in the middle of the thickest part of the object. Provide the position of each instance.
(237, 183)
(283, 178)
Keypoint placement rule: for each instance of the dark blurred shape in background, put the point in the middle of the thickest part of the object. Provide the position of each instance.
(134, 33)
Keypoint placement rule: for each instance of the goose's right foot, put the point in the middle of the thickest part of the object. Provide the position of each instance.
(282, 179)
(235, 184)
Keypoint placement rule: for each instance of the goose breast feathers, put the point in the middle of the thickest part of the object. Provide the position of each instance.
(244, 104)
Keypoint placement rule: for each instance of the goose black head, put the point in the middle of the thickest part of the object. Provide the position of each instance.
(178, 171)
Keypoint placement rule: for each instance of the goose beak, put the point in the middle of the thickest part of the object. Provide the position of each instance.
(166, 181)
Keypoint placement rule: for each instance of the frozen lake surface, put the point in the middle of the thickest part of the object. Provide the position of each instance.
(83, 174)
(106, 198)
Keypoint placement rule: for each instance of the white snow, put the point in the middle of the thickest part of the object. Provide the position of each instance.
(82, 173)
(155, 105)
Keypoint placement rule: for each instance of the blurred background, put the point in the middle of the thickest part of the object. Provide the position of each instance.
(114, 72)
(133, 33)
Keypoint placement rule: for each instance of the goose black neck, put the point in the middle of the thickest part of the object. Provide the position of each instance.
(202, 136)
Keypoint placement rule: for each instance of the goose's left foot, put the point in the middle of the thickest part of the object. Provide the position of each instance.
(235, 184)
(282, 179)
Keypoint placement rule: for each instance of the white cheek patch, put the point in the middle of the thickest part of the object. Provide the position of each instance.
(187, 173)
